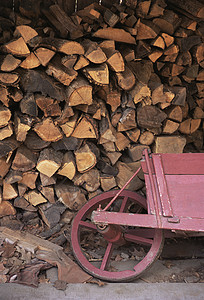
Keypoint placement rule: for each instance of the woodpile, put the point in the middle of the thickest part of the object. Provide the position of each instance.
(83, 95)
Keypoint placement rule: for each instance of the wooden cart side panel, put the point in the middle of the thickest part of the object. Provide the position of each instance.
(179, 164)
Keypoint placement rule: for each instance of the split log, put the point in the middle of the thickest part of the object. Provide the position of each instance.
(26, 32)
(133, 134)
(115, 60)
(24, 160)
(44, 55)
(79, 92)
(93, 52)
(126, 79)
(4, 95)
(6, 209)
(67, 47)
(146, 138)
(88, 180)
(47, 131)
(114, 99)
(86, 128)
(35, 198)
(193, 7)
(69, 126)
(127, 120)
(34, 142)
(189, 126)
(17, 47)
(4, 167)
(150, 117)
(71, 196)
(140, 92)
(30, 62)
(28, 105)
(135, 152)
(98, 75)
(48, 193)
(68, 166)
(81, 63)
(121, 141)
(50, 107)
(9, 78)
(146, 30)
(86, 157)
(169, 22)
(47, 181)
(9, 63)
(116, 34)
(169, 144)
(107, 182)
(6, 132)
(49, 161)
(170, 127)
(29, 179)
(7, 146)
(9, 191)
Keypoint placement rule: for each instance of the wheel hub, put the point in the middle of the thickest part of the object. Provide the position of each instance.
(112, 234)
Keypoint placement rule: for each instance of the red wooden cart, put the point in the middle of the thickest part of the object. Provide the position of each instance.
(175, 201)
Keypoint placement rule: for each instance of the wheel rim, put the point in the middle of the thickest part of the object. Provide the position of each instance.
(82, 226)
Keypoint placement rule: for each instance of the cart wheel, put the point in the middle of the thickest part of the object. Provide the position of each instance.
(106, 259)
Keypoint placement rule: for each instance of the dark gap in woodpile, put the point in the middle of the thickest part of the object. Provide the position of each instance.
(82, 95)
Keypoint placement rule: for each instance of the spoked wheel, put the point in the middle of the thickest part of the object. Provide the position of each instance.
(103, 252)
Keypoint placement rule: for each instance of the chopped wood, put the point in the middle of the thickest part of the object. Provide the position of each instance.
(107, 182)
(47, 181)
(48, 193)
(68, 166)
(30, 62)
(4, 95)
(116, 34)
(44, 55)
(146, 30)
(35, 198)
(17, 47)
(127, 120)
(81, 63)
(98, 75)
(69, 126)
(93, 52)
(28, 105)
(86, 158)
(26, 32)
(146, 138)
(50, 107)
(139, 92)
(88, 180)
(189, 126)
(121, 141)
(126, 79)
(150, 116)
(9, 191)
(86, 128)
(4, 167)
(193, 7)
(69, 60)
(29, 179)
(133, 134)
(175, 114)
(6, 132)
(169, 144)
(9, 78)
(49, 161)
(71, 196)
(170, 127)
(7, 146)
(79, 92)
(9, 63)
(47, 131)
(6, 209)
(24, 160)
(169, 22)
(115, 60)
(34, 142)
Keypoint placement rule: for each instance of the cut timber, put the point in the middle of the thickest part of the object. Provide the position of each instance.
(24, 159)
(110, 18)
(9, 191)
(154, 56)
(113, 156)
(169, 144)
(65, 46)
(35, 198)
(86, 158)
(143, 8)
(4, 95)
(106, 130)
(46, 181)
(37, 81)
(29, 179)
(127, 121)
(135, 152)
(67, 112)
(68, 166)
(99, 75)
(189, 126)
(193, 7)
(124, 174)
(44, 55)
(47, 131)
(6, 132)
(86, 128)
(108, 182)
(169, 22)
(79, 92)
(9, 63)
(168, 39)
(17, 47)
(115, 60)
(5, 115)
(34, 142)
(9, 78)
(81, 63)
(146, 138)
(150, 116)
(121, 141)
(93, 52)
(200, 54)
(30, 62)
(50, 107)
(28, 105)
(142, 70)
(68, 127)
(175, 114)
(4, 167)
(170, 127)
(158, 42)
(146, 30)
(133, 134)
(60, 72)
(49, 161)
(48, 193)
(88, 180)
(69, 61)
(139, 92)
(126, 79)
(71, 196)
(114, 99)
(7, 146)
(6, 209)
(26, 32)
(116, 34)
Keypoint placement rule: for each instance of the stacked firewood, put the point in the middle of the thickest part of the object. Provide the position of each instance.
(83, 95)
